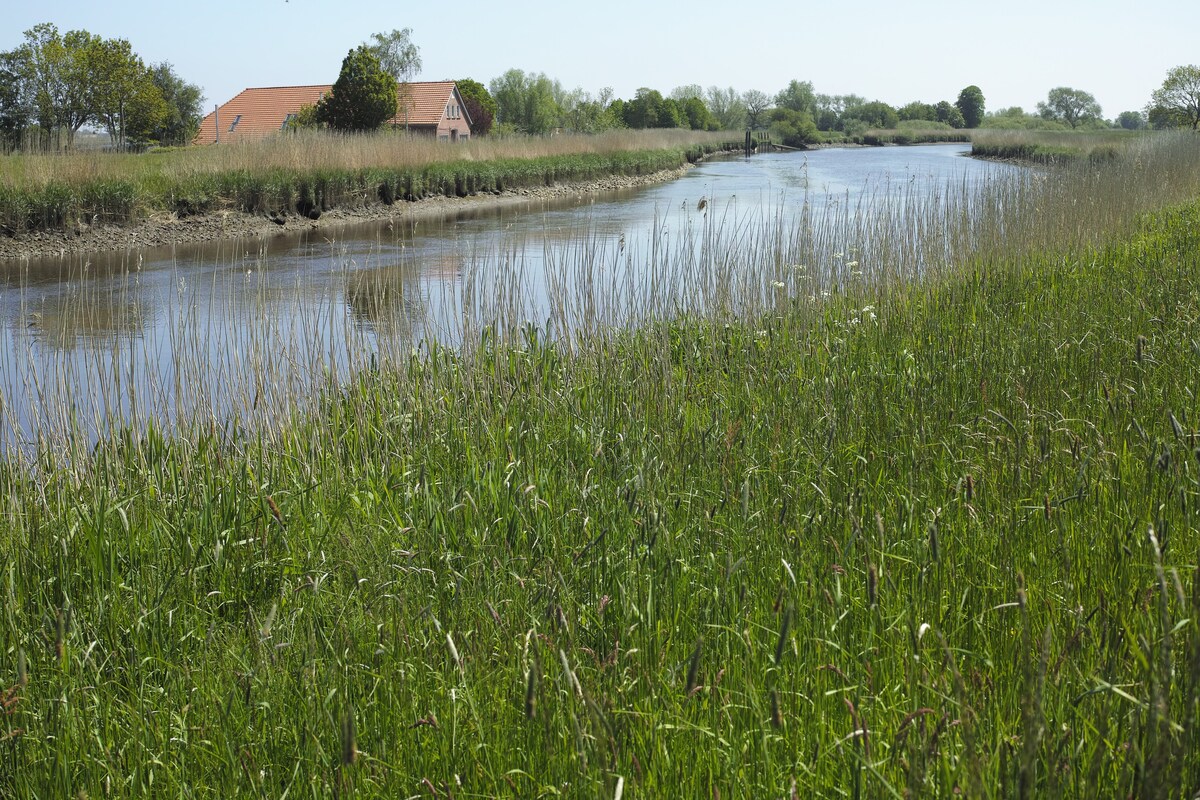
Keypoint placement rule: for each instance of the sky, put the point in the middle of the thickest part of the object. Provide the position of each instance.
(897, 52)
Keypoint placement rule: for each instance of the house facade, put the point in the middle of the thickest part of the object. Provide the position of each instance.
(430, 108)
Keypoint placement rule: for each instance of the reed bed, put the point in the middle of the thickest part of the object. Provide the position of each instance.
(311, 171)
(1052, 147)
(899, 503)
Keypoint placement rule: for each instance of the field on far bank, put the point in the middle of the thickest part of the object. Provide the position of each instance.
(1054, 147)
(311, 172)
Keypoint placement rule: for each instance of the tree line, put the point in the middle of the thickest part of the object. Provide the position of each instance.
(53, 84)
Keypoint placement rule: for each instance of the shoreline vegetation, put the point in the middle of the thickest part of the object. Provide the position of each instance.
(900, 504)
(53, 205)
(69, 203)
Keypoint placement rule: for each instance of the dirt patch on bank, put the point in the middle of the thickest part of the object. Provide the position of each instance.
(167, 229)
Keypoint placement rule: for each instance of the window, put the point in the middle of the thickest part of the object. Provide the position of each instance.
(233, 124)
(287, 121)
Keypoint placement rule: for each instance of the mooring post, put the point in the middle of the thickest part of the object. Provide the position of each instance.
(748, 143)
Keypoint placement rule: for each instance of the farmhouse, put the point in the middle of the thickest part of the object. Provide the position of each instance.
(431, 108)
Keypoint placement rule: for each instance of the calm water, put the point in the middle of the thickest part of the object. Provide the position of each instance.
(235, 329)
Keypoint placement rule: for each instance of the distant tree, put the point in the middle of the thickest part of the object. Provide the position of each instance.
(54, 68)
(480, 105)
(1179, 97)
(756, 103)
(526, 101)
(185, 106)
(917, 110)
(949, 114)
(698, 117)
(647, 109)
(15, 111)
(681, 94)
(727, 107)
(875, 114)
(1071, 106)
(362, 98)
(793, 128)
(970, 104)
(397, 55)
(798, 96)
(123, 95)
(1131, 120)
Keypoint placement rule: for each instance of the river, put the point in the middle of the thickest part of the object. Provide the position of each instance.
(235, 330)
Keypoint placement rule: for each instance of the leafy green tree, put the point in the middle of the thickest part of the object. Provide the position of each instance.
(875, 114)
(970, 104)
(917, 110)
(727, 107)
(798, 96)
(1179, 97)
(1131, 120)
(185, 106)
(362, 98)
(1070, 106)
(949, 114)
(699, 118)
(480, 105)
(793, 128)
(15, 111)
(397, 55)
(123, 95)
(756, 103)
(646, 109)
(526, 101)
(58, 80)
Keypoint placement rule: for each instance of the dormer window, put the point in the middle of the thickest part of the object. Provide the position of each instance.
(288, 120)
(233, 124)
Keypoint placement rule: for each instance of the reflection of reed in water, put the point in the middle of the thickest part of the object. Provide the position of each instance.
(86, 315)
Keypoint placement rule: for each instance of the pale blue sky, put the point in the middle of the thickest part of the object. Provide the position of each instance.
(1015, 50)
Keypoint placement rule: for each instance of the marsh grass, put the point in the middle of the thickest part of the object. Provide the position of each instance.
(842, 503)
(311, 171)
(1053, 147)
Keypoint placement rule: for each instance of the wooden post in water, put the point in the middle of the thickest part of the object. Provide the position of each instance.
(748, 143)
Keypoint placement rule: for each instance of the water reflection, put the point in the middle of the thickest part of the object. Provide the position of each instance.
(245, 329)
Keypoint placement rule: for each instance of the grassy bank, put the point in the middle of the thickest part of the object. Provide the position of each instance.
(309, 173)
(928, 536)
(1051, 147)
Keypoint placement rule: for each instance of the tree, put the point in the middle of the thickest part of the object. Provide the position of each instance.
(362, 98)
(970, 104)
(1072, 106)
(798, 96)
(123, 95)
(875, 114)
(15, 112)
(480, 105)
(756, 103)
(397, 55)
(793, 128)
(949, 114)
(526, 101)
(1131, 120)
(55, 70)
(917, 110)
(185, 106)
(1178, 99)
(727, 107)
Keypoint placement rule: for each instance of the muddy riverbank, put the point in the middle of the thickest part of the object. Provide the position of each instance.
(165, 229)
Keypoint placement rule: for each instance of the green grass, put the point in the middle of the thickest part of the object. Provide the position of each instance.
(931, 536)
(1052, 147)
(315, 171)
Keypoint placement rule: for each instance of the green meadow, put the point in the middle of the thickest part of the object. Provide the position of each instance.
(899, 505)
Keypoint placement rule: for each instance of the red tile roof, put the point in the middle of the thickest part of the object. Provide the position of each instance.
(256, 113)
